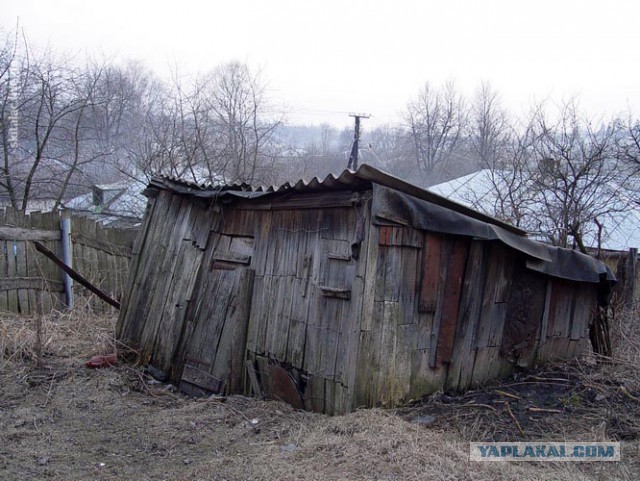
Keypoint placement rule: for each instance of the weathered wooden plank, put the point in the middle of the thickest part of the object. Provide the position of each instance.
(391, 274)
(431, 272)
(31, 283)
(461, 368)
(369, 336)
(523, 320)
(489, 365)
(337, 223)
(314, 394)
(495, 298)
(12, 295)
(162, 261)
(348, 350)
(542, 333)
(336, 292)
(584, 311)
(451, 302)
(180, 295)
(233, 258)
(400, 236)
(228, 363)
(128, 328)
(264, 239)
(329, 326)
(3, 270)
(27, 234)
(562, 302)
(313, 346)
(207, 320)
(240, 222)
(255, 316)
(267, 314)
(300, 298)
(406, 342)
(386, 390)
(277, 333)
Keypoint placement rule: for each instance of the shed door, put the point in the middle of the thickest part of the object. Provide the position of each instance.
(215, 339)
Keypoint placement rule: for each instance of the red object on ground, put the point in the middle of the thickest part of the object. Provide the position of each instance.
(102, 361)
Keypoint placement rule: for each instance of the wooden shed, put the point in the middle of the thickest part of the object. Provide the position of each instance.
(357, 290)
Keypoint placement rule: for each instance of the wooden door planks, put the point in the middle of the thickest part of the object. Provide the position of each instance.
(461, 369)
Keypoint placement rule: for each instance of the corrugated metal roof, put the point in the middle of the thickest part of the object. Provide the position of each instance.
(348, 179)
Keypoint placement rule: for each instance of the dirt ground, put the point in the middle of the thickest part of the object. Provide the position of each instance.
(63, 421)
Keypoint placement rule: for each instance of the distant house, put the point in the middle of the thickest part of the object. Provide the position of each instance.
(120, 204)
(621, 226)
(356, 290)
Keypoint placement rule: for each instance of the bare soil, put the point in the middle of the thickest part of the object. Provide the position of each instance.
(62, 421)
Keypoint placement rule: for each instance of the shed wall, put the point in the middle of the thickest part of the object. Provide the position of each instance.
(305, 299)
(445, 311)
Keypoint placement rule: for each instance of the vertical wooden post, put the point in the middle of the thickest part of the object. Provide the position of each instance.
(65, 227)
(629, 287)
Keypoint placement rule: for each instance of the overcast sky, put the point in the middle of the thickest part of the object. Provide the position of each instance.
(325, 58)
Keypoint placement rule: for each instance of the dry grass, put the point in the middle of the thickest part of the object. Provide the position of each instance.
(625, 339)
(62, 421)
(74, 333)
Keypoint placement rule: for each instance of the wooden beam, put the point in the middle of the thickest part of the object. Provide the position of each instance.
(77, 277)
(38, 283)
(20, 234)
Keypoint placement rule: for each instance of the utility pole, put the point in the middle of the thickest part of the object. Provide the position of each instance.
(353, 157)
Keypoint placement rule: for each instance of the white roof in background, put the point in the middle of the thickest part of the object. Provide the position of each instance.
(479, 190)
(130, 203)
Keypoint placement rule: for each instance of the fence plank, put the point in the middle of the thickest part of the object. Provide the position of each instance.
(3, 272)
(21, 271)
(12, 295)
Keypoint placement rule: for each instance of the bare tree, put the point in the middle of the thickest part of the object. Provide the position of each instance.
(436, 122)
(577, 175)
(243, 121)
(490, 127)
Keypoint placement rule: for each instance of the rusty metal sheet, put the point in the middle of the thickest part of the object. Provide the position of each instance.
(282, 386)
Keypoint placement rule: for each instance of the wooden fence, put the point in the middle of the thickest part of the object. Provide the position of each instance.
(31, 283)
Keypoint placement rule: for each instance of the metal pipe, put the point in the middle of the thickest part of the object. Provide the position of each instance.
(65, 226)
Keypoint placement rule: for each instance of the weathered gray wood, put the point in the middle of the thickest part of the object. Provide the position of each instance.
(3, 271)
(542, 334)
(12, 295)
(630, 277)
(461, 368)
(230, 355)
(153, 294)
(337, 292)
(233, 257)
(27, 234)
(437, 283)
(525, 312)
(32, 283)
(584, 311)
(179, 297)
(253, 379)
(369, 334)
(488, 363)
